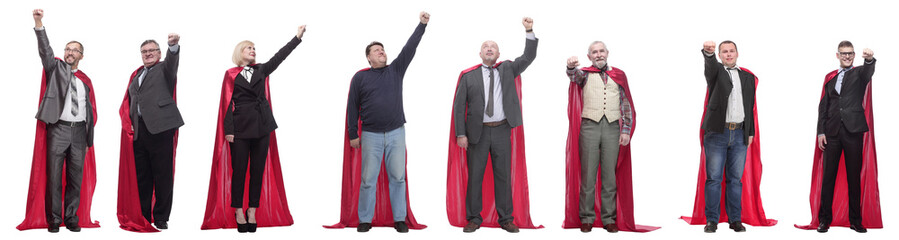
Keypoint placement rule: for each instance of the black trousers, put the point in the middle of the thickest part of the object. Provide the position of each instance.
(497, 143)
(65, 144)
(154, 165)
(850, 146)
(254, 151)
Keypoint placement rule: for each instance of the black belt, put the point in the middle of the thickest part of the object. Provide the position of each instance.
(494, 124)
(70, 124)
(733, 126)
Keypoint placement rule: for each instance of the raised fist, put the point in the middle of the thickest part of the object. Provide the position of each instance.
(300, 30)
(528, 23)
(572, 62)
(38, 14)
(424, 17)
(709, 46)
(173, 39)
(867, 54)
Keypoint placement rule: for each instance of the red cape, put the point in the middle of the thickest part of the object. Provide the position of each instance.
(870, 193)
(35, 216)
(349, 192)
(753, 213)
(457, 178)
(128, 209)
(273, 210)
(623, 175)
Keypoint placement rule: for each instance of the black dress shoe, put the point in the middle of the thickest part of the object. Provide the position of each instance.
(161, 224)
(363, 227)
(710, 227)
(73, 227)
(737, 226)
(858, 228)
(54, 228)
(823, 227)
(401, 227)
(586, 227)
(471, 227)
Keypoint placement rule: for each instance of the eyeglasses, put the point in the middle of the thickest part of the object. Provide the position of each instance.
(149, 50)
(847, 54)
(68, 50)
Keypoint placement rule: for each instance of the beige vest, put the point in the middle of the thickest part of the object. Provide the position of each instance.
(601, 99)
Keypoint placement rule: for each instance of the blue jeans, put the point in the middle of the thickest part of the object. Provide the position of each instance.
(391, 147)
(725, 153)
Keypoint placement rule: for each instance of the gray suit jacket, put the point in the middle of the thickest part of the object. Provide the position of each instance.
(155, 96)
(470, 95)
(58, 75)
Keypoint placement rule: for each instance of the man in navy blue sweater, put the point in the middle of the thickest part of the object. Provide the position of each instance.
(376, 97)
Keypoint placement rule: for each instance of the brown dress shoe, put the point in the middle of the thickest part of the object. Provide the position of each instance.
(509, 227)
(612, 228)
(586, 227)
(471, 227)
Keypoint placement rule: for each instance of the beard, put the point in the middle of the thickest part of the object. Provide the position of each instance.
(599, 64)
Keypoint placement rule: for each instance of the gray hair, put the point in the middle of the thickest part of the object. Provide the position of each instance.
(594, 43)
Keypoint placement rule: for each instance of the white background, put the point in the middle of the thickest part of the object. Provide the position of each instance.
(789, 45)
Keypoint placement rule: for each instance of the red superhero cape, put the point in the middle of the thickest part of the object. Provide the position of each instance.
(128, 208)
(35, 217)
(752, 211)
(623, 174)
(870, 193)
(457, 178)
(273, 210)
(349, 192)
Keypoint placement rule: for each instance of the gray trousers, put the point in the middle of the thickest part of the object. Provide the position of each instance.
(599, 148)
(65, 144)
(495, 142)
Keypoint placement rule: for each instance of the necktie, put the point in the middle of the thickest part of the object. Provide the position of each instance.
(247, 73)
(490, 97)
(839, 84)
(73, 95)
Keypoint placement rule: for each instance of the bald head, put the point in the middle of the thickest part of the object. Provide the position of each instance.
(489, 52)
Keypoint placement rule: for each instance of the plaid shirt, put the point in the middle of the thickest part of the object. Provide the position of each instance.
(579, 76)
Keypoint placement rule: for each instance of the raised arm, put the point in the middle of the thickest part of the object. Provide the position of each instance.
(402, 61)
(574, 74)
(48, 61)
(711, 65)
(282, 54)
(530, 48)
(868, 69)
(172, 59)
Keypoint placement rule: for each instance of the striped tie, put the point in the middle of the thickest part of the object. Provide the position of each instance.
(73, 95)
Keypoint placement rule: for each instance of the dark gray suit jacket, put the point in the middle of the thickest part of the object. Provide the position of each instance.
(470, 95)
(58, 76)
(155, 96)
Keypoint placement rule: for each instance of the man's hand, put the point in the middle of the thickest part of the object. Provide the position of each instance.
(868, 54)
(300, 30)
(750, 140)
(38, 15)
(709, 46)
(822, 142)
(173, 39)
(624, 139)
(462, 142)
(572, 62)
(354, 143)
(528, 23)
(424, 16)
(229, 138)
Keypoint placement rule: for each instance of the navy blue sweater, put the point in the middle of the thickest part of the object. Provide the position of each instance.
(377, 94)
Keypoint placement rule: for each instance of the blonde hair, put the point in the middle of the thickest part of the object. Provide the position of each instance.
(237, 57)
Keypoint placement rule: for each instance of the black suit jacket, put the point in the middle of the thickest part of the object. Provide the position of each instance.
(155, 96)
(719, 87)
(249, 113)
(58, 75)
(845, 108)
(470, 94)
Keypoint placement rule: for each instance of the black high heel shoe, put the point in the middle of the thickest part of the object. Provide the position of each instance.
(251, 227)
(241, 227)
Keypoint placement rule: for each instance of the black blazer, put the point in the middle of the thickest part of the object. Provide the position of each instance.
(719, 87)
(845, 108)
(249, 113)
(470, 93)
(57, 75)
(155, 96)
